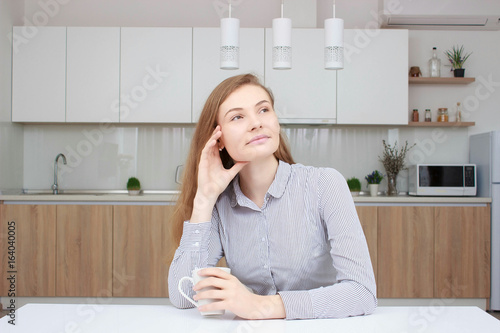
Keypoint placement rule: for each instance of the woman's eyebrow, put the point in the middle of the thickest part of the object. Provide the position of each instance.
(261, 102)
(233, 110)
(239, 109)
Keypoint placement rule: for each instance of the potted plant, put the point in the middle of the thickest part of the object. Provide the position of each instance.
(354, 185)
(393, 161)
(133, 186)
(457, 57)
(373, 179)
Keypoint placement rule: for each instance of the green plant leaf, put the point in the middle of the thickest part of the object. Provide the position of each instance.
(133, 184)
(457, 56)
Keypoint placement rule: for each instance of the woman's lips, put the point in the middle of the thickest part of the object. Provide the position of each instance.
(258, 139)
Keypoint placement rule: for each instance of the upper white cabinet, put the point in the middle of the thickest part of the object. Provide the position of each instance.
(39, 74)
(165, 75)
(306, 93)
(155, 84)
(206, 61)
(373, 86)
(93, 74)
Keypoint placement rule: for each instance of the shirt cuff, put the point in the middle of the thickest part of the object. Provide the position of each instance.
(298, 304)
(195, 236)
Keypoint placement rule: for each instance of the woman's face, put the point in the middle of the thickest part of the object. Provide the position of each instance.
(250, 128)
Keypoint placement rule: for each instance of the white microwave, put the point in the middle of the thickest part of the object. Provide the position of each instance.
(442, 180)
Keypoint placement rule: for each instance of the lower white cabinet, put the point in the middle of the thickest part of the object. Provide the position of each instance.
(206, 61)
(93, 74)
(306, 93)
(155, 82)
(39, 74)
(373, 86)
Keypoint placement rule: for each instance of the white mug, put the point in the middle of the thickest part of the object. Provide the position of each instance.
(194, 280)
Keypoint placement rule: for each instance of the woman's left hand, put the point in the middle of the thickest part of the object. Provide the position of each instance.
(232, 295)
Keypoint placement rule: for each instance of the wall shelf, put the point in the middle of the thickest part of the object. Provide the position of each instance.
(440, 80)
(441, 124)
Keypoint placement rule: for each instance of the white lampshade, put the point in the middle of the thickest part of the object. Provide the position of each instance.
(334, 43)
(230, 45)
(282, 43)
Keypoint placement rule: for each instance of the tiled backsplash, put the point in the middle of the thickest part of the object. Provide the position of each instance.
(104, 158)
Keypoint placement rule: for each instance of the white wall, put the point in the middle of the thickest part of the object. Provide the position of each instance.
(11, 135)
(99, 160)
(169, 13)
(197, 13)
(357, 14)
(104, 159)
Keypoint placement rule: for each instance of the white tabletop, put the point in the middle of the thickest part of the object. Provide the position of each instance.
(95, 318)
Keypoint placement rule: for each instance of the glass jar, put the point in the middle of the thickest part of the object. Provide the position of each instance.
(442, 115)
(414, 116)
(428, 115)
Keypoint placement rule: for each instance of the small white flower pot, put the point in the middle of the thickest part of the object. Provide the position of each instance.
(134, 192)
(373, 189)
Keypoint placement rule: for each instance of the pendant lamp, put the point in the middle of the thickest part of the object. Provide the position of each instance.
(230, 46)
(282, 42)
(334, 42)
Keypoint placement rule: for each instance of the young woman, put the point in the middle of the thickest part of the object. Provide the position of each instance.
(290, 233)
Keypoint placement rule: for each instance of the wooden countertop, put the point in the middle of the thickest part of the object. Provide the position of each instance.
(102, 198)
(408, 199)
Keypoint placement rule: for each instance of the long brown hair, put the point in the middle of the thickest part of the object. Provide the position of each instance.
(203, 132)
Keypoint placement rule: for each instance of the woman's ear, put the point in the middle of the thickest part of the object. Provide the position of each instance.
(220, 144)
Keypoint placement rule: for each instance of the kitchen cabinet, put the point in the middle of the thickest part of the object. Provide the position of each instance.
(93, 74)
(84, 250)
(368, 219)
(306, 93)
(124, 250)
(439, 252)
(164, 75)
(39, 75)
(206, 61)
(462, 243)
(34, 235)
(141, 251)
(155, 80)
(373, 86)
(405, 251)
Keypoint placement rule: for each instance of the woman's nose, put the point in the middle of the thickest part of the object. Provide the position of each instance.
(255, 122)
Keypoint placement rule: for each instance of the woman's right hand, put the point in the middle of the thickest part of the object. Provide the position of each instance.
(213, 178)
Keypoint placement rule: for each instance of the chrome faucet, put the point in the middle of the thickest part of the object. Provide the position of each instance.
(55, 187)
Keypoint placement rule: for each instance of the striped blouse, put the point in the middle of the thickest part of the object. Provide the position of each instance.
(305, 243)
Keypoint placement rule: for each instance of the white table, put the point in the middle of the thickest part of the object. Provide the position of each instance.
(95, 318)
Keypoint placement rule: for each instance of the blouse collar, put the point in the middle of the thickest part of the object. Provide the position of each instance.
(276, 190)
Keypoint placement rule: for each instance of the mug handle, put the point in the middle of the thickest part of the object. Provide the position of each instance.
(179, 286)
(178, 174)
